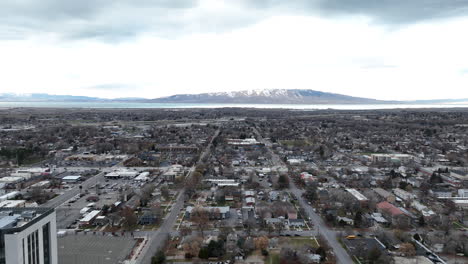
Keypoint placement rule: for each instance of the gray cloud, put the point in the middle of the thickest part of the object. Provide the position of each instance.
(117, 20)
(103, 19)
(397, 11)
(382, 11)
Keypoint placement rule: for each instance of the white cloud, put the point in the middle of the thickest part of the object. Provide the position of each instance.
(349, 56)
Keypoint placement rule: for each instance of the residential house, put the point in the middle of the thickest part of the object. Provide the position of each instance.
(387, 196)
(148, 218)
(215, 212)
(345, 220)
(296, 222)
(393, 213)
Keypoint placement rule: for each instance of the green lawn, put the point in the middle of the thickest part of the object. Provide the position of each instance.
(301, 241)
(147, 227)
(273, 258)
(458, 225)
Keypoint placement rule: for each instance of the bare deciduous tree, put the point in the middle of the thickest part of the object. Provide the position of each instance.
(200, 217)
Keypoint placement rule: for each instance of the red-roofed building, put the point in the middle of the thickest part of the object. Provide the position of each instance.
(307, 176)
(392, 212)
(389, 208)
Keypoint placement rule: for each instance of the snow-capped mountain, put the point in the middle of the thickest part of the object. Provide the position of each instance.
(265, 96)
(268, 96)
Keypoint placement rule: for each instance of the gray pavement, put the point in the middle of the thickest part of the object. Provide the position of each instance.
(157, 238)
(328, 234)
(89, 248)
(67, 195)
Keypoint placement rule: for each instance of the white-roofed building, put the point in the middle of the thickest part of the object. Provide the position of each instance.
(404, 195)
(250, 201)
(11, 180)
(358, 196)
(463, 193)
(424, 210)
(11, 195)
(71, 178)
(89, 218)
(142, 177)
(12, 203)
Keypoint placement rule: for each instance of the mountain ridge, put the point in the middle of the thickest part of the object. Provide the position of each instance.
(258, 96)
(268, 96)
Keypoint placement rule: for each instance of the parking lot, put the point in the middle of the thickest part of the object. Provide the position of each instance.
(89, 248)
(68, 214)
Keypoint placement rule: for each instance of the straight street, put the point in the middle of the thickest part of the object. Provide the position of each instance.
(328, 234)
(68, 194)
(159, 237)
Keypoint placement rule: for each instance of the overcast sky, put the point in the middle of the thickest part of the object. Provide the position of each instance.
(383, 49)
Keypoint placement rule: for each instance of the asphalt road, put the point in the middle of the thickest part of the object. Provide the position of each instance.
(91, 182)
(328, 234)
(157, 238)
(68, 194)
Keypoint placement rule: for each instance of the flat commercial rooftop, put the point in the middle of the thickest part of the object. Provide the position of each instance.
(89, 248)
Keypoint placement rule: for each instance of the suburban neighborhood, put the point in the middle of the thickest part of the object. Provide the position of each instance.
(240, 185)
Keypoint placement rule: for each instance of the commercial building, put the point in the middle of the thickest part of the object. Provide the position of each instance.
(441, 193)
(394, 158)
(11, 195)
(89, 218)
(12, 203)
(243, 142)
(28, 236)
(71, 179)
(12, 179)
(27, 173)
(463, 193)
(41, 185)
(142, 177)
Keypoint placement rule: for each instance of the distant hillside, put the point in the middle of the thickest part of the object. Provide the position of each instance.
(42, 97)
(274, 96)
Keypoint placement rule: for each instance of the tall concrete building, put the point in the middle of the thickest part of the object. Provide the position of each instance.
(28, 236)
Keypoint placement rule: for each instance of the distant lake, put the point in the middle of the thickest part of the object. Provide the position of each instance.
(182, 105)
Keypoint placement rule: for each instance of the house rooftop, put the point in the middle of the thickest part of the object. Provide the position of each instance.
(386, 206)
(357, 194)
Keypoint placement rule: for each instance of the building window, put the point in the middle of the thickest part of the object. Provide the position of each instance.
(29, 249)
(36, 235)
(46, 242)
(24, 256)
(33, 248)
(2, 249)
